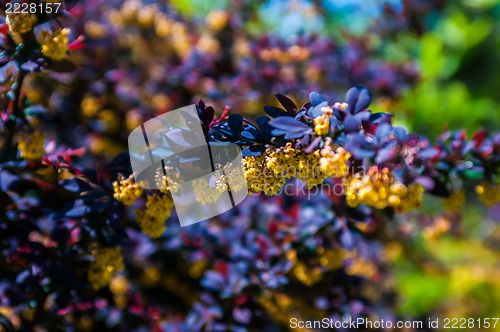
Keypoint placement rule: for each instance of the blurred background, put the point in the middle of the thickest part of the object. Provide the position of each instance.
(432, 63)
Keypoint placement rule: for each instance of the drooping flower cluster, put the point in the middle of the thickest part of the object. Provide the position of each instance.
(379, 189)
(261, 177)
(268, 172)
(205, 194)
(21, 22)
(229, 177)
(126, 190)
(54, 43)
(156, 213)
(106, 262)
(334, 162)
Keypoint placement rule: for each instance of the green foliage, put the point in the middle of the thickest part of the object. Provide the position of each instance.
(458, 78)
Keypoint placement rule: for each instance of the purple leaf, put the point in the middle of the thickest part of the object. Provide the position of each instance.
(386, 154)
(428, 153)
(275, 112)
(235, 121)
(358, 99)
(351, 124)
(360, 146)
(287, 123)
(287, 103)
(316, 98)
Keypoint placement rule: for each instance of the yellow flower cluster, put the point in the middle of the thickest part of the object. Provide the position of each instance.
(229, 177)
(32, 146)
(152, 220)
(126, 190)
(261, 176)
(334, 162)
(489, 193)
(380, 189)
(204, 192)
(322, 122)
(119, 286)
(171, 184)
(268, 172)
(283, 161)
(54, 43)
(455, 202)
(107, 262)
(21, 22)
(309, 170)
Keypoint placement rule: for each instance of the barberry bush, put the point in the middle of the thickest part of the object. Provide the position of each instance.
(344, 204)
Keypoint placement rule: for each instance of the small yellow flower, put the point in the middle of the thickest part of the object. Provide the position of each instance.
(379, 189)
(322, 122)
(54, 43)
(32, 146)
(126, 190)
(309, 170)
(229, 177)
(107, 262)
(204, 193)
(21, 22)
(334, 163)
(265, 173)
(152, 220)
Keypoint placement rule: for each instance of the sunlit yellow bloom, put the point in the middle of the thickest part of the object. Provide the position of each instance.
(334, 162)
(126, 190)
(21, 22)
(204, 192)
(54, 43)
(380, 189)
(309, 170)
(322, 122)
(152, 219)
(261, 176)
(230, 177)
